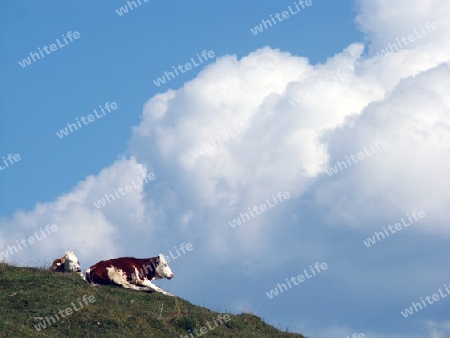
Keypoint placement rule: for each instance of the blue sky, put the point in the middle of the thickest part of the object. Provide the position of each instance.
(399, 98)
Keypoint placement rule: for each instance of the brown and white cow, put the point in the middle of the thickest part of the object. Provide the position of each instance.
(131, 273)
(68, 263)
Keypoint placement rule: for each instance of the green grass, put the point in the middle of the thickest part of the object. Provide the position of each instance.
(28, 295)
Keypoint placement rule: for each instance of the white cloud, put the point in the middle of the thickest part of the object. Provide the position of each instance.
(439, 329)
(90, 232)
(395, 178)
(288, 148)
(385, 22)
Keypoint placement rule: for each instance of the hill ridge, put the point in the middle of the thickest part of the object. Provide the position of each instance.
(40, 303)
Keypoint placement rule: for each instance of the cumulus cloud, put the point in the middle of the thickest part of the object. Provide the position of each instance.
(385, 22)
(414, 119)
(81, 226)
(439, 329)
(289, 146)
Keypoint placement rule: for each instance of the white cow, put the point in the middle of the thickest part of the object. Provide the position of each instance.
(68, 263)
(131, 273)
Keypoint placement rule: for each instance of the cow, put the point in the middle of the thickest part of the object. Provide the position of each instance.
(68, 263)
(131, 273)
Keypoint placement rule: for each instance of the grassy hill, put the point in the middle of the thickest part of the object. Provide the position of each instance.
(29, 296)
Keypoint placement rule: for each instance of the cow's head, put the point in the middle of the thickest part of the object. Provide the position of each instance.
(163, 270)
(71, 263)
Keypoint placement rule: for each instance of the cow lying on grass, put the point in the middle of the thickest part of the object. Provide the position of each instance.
(68, 263)
(131, 273)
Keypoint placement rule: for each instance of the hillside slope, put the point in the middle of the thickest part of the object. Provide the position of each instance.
(33, 303)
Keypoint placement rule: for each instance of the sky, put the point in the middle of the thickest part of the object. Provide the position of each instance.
(301, 148)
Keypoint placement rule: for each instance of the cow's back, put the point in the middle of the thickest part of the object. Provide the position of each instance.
(99, 273)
